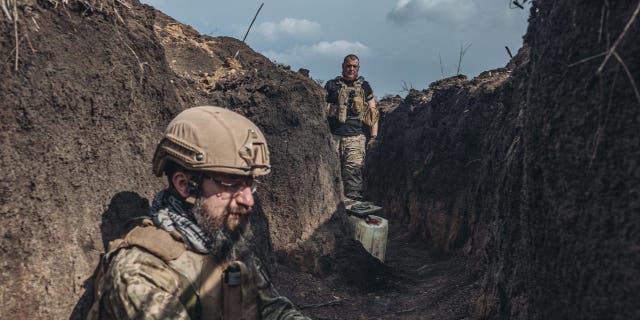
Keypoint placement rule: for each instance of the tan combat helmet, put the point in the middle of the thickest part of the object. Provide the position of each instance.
(213, 139)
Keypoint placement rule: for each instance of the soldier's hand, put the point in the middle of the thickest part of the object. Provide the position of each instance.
(373, 141)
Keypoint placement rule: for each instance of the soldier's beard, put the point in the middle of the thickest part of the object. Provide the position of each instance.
(228, 242)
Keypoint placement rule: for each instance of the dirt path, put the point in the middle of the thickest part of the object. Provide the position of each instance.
(424, 287)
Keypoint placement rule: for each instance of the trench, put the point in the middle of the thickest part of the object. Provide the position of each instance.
(422, 285)
(510, 195)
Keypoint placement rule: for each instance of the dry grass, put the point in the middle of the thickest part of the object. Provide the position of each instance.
(611, 52)
(208, 82)
(10, 10)
(178, 34)
(619, 39)
(24, 18)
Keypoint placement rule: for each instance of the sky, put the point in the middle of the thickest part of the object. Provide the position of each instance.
(402, 44)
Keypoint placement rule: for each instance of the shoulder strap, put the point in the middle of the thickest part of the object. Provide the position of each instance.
(166, 246)
(359, 84)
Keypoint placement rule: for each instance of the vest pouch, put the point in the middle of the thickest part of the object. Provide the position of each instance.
(239, 293)
(337, 112)
(357, 106)
(342, 113)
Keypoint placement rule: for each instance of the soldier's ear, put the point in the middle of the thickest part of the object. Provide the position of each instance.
(180, 181)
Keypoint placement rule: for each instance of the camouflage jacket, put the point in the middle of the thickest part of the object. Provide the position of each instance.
(138, 284)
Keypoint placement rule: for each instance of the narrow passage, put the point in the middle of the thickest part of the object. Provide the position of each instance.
(425, 286)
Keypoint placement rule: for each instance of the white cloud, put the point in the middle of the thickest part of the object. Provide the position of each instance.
(324, 49)
(288, 28)
(336, 48)
(443, 11)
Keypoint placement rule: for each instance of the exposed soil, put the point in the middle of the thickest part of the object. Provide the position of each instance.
(533, 168)
(581, 170)
(510, 195)
(455, 127)
(80, 120)
(420, 286)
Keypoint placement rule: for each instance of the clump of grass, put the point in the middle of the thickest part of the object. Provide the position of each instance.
(9, 10)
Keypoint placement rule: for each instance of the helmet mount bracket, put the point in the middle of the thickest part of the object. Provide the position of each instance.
(193, 188)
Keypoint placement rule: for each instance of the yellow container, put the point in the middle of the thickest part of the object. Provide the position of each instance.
(372, 232)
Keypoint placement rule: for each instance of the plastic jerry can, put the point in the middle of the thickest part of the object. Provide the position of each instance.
(372, 232)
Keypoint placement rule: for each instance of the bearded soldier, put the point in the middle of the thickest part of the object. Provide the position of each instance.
(351, 106)
(189, 259)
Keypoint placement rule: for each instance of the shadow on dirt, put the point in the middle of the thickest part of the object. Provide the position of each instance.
(124, 206)
(331, 253)
(411, 284)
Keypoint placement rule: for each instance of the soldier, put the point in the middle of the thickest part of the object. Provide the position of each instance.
(189, 259)
(351, 106)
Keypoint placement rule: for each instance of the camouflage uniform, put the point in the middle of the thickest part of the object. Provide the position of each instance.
(140, 285)
(351, 152)
(348, 134)
(169, 266)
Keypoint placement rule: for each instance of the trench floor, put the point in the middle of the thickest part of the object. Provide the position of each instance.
(424, 286)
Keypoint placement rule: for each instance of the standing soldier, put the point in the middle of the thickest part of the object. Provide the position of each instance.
(189, 259)
(350, 107)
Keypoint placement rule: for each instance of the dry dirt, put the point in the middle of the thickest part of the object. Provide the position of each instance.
(94, 87)
(534, 168)
(420, 285)
(513, 195)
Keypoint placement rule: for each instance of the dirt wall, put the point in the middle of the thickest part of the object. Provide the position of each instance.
(95, 85)
(69, 114)
(430, 166)
(534, 171)
(580, 158)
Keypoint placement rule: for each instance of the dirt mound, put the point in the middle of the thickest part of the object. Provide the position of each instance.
(94, 87)
(533, 169)
(388, 104)
(80, 118)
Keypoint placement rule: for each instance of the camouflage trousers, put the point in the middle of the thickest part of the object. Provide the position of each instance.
(351, 152)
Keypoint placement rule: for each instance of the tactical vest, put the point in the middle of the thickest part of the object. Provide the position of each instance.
(352, 103)
(215, 291)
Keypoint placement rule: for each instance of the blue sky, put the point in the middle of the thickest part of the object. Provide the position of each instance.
(399, 41)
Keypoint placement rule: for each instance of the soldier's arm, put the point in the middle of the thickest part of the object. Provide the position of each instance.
(368, 91)
(270, 303)
(141, 286)
(374, 127)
